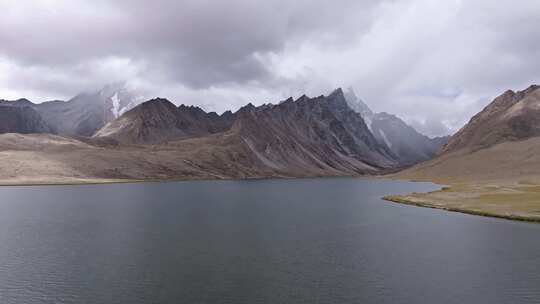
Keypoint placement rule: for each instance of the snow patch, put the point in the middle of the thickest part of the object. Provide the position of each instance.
(369, 122)
(386, 141)
(135, 101)
(112, 128)
(116, 105)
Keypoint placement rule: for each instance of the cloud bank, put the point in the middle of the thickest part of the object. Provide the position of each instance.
(433, 63)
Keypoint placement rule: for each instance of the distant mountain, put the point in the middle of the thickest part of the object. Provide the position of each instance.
(404, 141)
(23, 102)
(159, 120)
(86, 113)
(511, 116)
(18, 117)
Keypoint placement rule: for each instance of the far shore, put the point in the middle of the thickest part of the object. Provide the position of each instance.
(407, 201)
(97, 181)
(74, 182)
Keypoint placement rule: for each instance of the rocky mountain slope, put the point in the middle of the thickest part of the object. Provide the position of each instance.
(158, 121)
(404, 141)
(511, 116)
(16, 117)
(510, 119)
(316, 133)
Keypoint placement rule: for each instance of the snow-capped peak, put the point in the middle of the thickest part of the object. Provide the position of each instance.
(121, 97)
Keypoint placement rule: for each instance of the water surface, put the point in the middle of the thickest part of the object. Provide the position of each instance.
(274, 241)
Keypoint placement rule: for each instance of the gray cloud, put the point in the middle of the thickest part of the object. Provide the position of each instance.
(197, 43)
(425, 60)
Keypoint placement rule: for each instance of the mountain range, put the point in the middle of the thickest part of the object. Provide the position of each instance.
(113, 134)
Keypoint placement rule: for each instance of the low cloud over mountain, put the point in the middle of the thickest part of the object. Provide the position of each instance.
(433, 63)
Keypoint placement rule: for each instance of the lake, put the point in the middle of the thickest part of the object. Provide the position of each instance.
(268, 241)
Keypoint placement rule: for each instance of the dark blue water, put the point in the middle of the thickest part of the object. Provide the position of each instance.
(275, 241)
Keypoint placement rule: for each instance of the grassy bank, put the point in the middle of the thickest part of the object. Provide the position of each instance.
(520, 202)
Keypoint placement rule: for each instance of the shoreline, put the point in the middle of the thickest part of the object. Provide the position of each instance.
(400, 199)
(72, 183)
(406, 199)
(83, 182)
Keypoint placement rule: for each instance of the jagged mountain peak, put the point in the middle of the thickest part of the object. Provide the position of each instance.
(288, 100)
(155, 103)
(193, 107)
(337, 99)
(246, 109)
(403, 140)
(356, 103)
(302, 98)
(227, 113)
(531, 88)
(337, 92)
(195, 110)
(157, 100)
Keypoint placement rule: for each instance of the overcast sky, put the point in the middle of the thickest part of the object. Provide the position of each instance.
(434, 63)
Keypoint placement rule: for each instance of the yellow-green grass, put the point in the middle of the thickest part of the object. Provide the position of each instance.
(519, 201)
